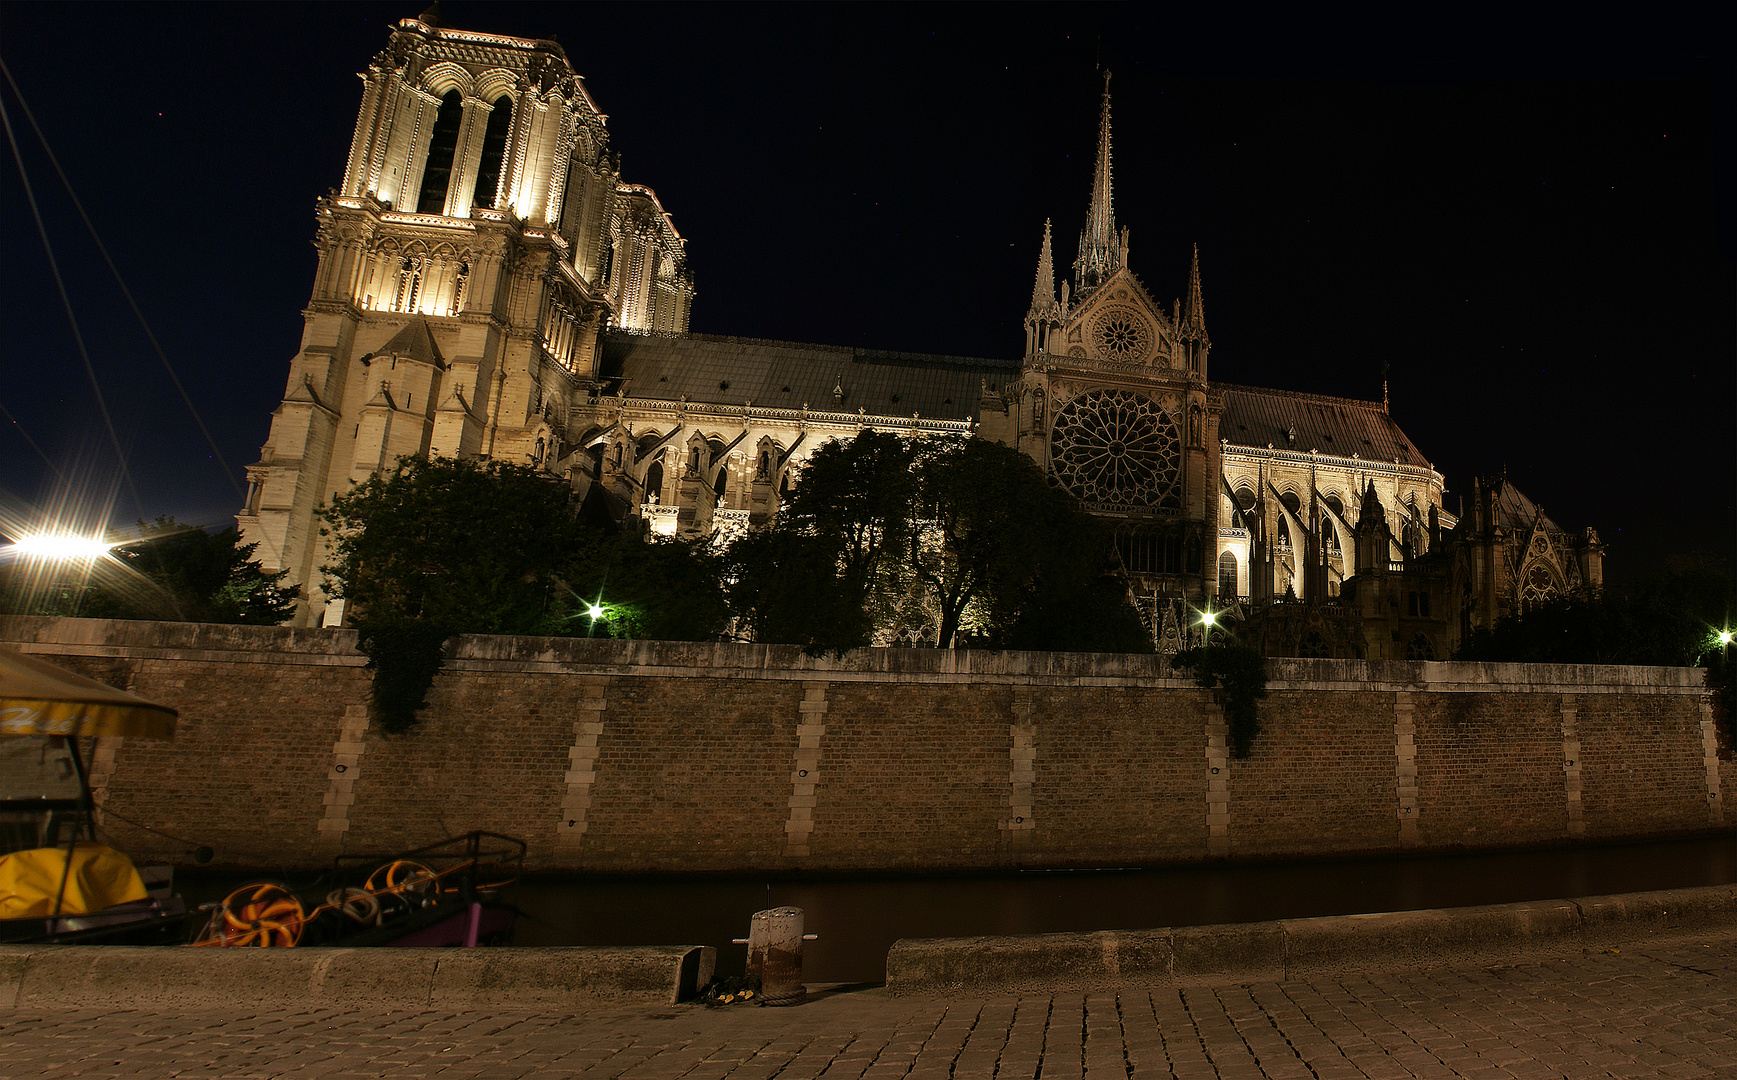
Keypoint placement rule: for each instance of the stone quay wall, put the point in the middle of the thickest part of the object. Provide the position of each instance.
(642, 756)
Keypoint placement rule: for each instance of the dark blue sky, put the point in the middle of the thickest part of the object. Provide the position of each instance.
(1533, 239)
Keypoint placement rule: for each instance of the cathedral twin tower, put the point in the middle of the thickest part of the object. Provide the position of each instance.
(488, 285)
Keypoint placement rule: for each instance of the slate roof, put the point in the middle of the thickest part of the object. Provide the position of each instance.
(1515, 511)
(784, 375)
(414, 342)
(1254, 417)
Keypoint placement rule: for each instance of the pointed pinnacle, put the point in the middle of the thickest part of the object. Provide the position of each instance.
(1195, 313)
(1043, 291)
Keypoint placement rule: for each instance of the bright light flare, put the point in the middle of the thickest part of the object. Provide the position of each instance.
(595, 611)
(1207, 619)
(1725, 637)
(62, 547)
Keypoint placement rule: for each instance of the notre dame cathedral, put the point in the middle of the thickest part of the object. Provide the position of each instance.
(489, 284)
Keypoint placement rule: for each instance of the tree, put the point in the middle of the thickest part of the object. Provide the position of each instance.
(665, 590)
(970, 526)
(445, 546)
(1670, 618)
(1014, 557)
(175, 573)
(818, 575)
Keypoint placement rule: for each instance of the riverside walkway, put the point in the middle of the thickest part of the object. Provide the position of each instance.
(1663, 1008)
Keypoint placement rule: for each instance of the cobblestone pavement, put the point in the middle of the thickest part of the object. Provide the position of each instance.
(1662, 1010)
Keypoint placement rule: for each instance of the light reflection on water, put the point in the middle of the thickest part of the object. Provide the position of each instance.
(858, 918)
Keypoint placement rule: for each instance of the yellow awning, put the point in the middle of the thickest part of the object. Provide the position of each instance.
(38, 698)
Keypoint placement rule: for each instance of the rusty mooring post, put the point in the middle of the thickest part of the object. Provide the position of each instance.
(775, 940)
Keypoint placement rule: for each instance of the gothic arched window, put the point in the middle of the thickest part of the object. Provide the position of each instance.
(1227, 575)
(720, 484)
(442, 144)
(654, 483)
(494, 151)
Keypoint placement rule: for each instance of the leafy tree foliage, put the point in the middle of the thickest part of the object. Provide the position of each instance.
(175, 573)
(971, 526)
(1017, 560)
(665, 590)
(445, 546)
(831, 559)
(1671, 618)
(1238, 675)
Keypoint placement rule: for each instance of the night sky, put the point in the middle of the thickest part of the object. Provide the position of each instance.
(1533, 240)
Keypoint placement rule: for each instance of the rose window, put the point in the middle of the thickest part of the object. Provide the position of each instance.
(1112, 446)
(1122, 335)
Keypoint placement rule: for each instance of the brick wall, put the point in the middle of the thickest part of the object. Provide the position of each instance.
(648, 756)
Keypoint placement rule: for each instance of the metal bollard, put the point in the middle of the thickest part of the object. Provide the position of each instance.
(774, 943)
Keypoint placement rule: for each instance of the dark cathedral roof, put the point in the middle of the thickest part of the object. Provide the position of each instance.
(1515, 511)
(1254, 417)
(786, 375)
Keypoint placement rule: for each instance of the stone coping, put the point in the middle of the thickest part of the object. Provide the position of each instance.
(133, 977)
(678, 659)
(1238, 953)
(582, 978)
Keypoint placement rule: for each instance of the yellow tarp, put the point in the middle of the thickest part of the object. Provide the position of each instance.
(101, 877)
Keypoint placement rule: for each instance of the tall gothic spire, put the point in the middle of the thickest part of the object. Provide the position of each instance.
(1193, 311)
(1043, 290)
(1100, 247)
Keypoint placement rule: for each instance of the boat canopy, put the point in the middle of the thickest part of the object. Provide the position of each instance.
(38, 698)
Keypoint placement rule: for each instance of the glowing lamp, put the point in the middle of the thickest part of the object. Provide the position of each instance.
(1725, 637)
(62, 547)
(1207, 618)
(595, 611)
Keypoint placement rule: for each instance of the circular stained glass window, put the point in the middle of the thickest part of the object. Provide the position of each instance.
(1123, 335)
(1114, 446)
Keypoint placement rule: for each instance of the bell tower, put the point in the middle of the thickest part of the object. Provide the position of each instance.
(480, 241)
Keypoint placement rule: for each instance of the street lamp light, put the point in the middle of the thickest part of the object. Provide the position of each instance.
(62, 547)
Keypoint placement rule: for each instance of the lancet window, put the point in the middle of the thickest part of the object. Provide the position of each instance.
(494, 151)
(442, 145)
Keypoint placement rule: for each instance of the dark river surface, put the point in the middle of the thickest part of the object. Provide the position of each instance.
(858, 918)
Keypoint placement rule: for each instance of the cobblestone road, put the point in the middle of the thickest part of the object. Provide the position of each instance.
(1648, 1011)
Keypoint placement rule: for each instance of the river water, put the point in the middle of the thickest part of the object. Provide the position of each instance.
(858, 917)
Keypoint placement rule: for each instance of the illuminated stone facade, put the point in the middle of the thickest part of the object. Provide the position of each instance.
(489, 286)
(481, 241)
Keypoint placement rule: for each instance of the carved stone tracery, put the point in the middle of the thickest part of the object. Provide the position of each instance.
(1117, 447)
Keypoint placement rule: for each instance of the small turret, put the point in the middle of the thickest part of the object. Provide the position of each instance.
(1193, 320)
(1194, 314)
(1046, 313)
